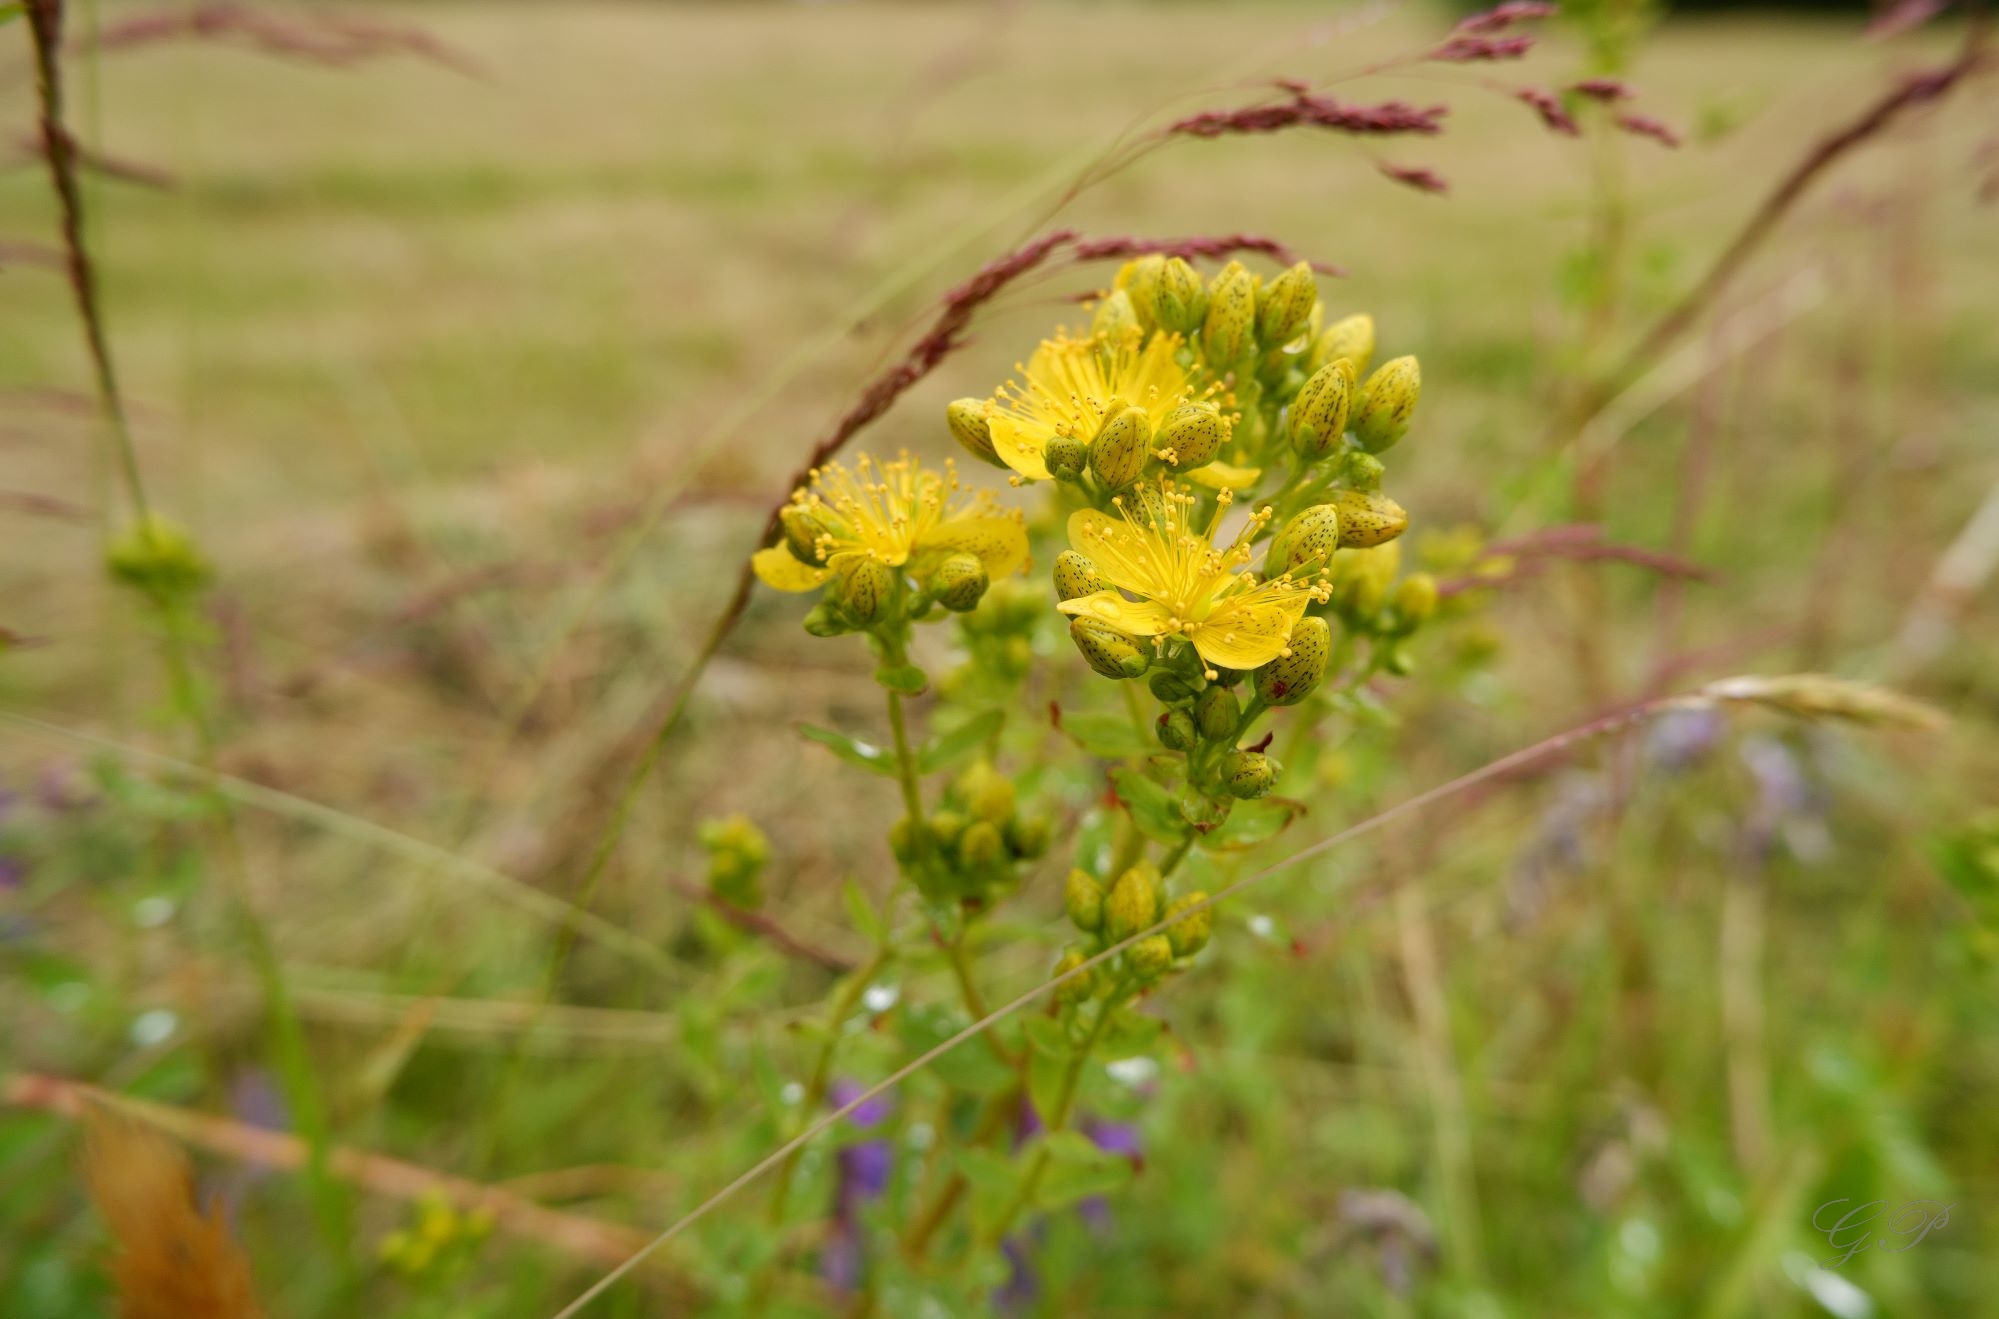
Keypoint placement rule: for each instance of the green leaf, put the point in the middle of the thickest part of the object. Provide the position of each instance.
(1152, 807)
(861, 913)
(1130, 1034)
(904, 678)
(1050, 1036)
(1253, 822)
(851, 749)
(948, 749)
(1077, 1169)
(1106, 736)
(1050, 1056)
(995, 1181)
(972, 1066)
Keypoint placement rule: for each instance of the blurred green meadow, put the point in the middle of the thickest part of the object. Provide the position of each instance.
(476, 381)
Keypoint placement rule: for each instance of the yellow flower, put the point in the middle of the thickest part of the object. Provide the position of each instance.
(1186, 586)
(1072, 385)
(894, 513)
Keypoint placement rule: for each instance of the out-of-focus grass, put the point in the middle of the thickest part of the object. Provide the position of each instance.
(397, 328)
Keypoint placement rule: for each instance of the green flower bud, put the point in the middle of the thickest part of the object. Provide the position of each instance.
(1084, 899)
(1081, 988)
(1306, 543)
(1217, 714)
(866, 589)
(803, 534)
(1140, 281)
(986, 793)
(1115, 317)
(1190, 933)
(1228, 332)
(902, 841)
(1248, 774)
(1400, 662)
(967, 421)
(1176, 730)
(1130, 906)
(1387, 404)
(1289, 679)
(1179, 300)
(959, 582)
(1170, 686)
(1361, 579)
(1362, 471)
(1027, 837)
(1076, 576)
(157, 556)
(1368, 518)
(737, 852)
(1352, 338)
(1285, 305)
(1415, 599)
(1318, 417)
(981, 846)
(1193, 433)
(822, 621)
(1119, 452)
(1110, 652)
(1149, 959)
(1066, 457)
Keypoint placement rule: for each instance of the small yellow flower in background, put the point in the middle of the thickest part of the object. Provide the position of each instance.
(891, 513)
(1072, 386)
(1186, 586)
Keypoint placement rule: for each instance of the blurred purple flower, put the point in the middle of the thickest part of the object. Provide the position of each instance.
(861, 1173)
(1680, 739)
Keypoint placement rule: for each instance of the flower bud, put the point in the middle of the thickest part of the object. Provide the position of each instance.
(1228, 331)
(1177, 730)
(966, 419)
(1248, 774)
(1110, 652)
(1318, 417)
(1193, 433)
(1066, 457)
(1387, 404)
(946, 827)
(1149, 959)
(737, 852)
(1190, 933)
(1115, 317)
(1285, 305)
(959, 582)
(1027, 836)
(1084, 899)
(1217, 714)
(1368, 518)
(866, 589)
(986, 793)
(802, 534)
(1362, 471)
(822, 621)
(1180, 302)
(1291, 677)
(1170, 686)
(157, 556)
(1130, 906)
(1306, 543)
(1078, 989)
(1140, 280)
(981, 846)
(1119, 452)
(1361, 578)
(1076, 576)
(1352, 338)
(1146, 502)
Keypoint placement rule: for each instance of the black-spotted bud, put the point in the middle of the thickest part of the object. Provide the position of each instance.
(1110, 652)
(803, 534)
(1139, 280)
(1149, 959)
(1351, 338)
(1217, 714)
(1083, 898)
(959, 582)
(1115, 318)
(1191, 435)
(1415, 599)
(1306, 543)
(1180, 301)
(1248, 774)
(1284, 306)
(866, 589)
(1177, 731)
(981, 846)
(966, 419)
(1076, 576)
(1228, 333)
(1076, 989)
(1318, 416)
(1169, 686)
(1387, 404)
(1290, 678)
(1146, 502)
(1119, 452)
(1130, 906)
(1066, 457)
(1191, 932)
(1368, 518)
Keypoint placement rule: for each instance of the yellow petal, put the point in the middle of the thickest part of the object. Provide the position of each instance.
(1224, 476)
(1000, 543)
(779, 568)
(1018, 448)
(1141, 618)
(1112, 544)
(1248, 636)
